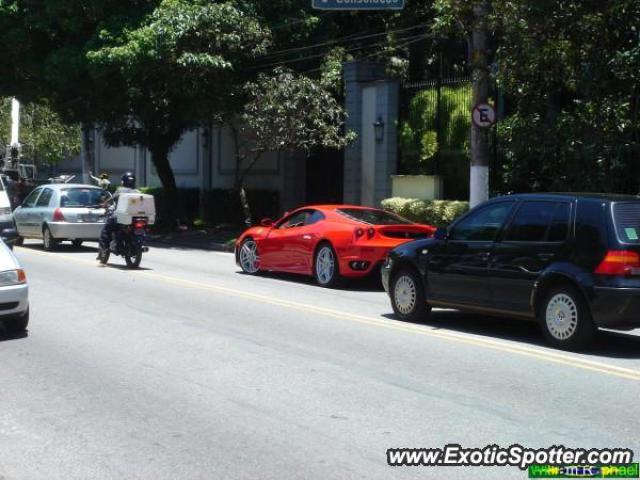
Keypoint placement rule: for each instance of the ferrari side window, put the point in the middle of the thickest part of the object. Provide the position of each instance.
(314, 217)
(296, 220)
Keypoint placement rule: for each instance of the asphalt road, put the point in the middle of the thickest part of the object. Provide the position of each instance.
(188, 369)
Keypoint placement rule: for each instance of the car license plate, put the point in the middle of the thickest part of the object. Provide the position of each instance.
(90, 218)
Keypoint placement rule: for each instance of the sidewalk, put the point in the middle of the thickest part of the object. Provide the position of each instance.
(221, 240)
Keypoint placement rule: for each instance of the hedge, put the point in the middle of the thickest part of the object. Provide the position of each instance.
(220, 206)
(439, 213)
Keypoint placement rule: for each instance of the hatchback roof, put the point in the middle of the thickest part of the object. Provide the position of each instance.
(613, 197)
(61, 186)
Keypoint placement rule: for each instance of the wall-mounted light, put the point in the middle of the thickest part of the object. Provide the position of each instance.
(378, 127)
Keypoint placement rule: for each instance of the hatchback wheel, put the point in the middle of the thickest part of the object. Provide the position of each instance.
(326, 269)
(407, 296)
(249, 257)
(566, 320)
(48, 242)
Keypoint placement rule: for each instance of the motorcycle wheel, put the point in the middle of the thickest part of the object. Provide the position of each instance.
(133, 257)
(103, 255)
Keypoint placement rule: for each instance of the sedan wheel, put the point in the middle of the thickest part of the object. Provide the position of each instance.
(48, 242)
(326, 267)
(407, 296)
(249, 258)
(565, 319)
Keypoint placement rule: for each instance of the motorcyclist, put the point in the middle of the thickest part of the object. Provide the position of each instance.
(128, 185)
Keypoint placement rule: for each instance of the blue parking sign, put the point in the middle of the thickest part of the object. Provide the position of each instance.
(358, 4)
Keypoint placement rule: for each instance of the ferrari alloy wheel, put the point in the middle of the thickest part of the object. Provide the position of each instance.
(326, 266)
(249, 257)
(407, 296)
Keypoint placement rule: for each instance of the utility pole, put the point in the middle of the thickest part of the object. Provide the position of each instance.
(15, 122)
(479, 182)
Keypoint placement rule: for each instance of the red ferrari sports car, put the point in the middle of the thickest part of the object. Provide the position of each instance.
(327, 242)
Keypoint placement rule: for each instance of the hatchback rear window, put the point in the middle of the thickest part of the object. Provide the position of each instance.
(626, 217)
(373, 217)
(82, 197)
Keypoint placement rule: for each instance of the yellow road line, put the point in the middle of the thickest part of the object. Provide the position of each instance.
(531, 352)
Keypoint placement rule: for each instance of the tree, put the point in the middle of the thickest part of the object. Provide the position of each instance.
(182, 67)
(570, 73)
(285, 112)
(45, 138)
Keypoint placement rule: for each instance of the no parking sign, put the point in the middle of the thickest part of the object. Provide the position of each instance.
(484, 115)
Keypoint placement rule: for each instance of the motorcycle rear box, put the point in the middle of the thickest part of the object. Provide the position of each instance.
(135, 205)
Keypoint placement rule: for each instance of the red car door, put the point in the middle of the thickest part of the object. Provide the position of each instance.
(280, 250)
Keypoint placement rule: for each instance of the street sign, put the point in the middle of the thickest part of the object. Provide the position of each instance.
(358, 4)
(484, 115)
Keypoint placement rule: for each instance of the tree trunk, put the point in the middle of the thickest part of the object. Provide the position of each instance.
(87, 151)
(160, 158)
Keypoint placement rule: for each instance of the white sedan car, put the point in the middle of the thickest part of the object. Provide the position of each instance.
(14, 292)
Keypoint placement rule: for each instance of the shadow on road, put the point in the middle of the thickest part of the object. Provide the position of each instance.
(367, 284)
(7, 337)
(63, 248)
(608, 343)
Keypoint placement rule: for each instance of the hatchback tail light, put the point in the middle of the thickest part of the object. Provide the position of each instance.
(620, 263)
(58, 216)
(137, 224)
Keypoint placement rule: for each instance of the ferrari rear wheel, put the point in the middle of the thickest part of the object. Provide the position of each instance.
(249, 257)
(326, 268)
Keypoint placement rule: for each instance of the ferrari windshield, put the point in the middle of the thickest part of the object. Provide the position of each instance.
(373, 216)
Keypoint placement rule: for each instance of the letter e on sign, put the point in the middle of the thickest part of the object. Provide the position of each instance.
(484, 115)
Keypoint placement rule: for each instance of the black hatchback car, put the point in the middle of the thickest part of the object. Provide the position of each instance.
(569, 261)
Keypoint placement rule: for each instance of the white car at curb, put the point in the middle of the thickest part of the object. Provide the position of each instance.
(14, 292)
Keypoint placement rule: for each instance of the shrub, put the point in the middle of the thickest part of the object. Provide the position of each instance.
(439, 213)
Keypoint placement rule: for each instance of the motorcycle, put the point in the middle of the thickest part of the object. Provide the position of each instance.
(128, 242)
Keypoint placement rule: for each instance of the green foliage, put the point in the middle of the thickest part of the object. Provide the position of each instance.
(570, 73)
(45, 138)
(290, 112)
(439, 213)
(421, 138)
(179, 68)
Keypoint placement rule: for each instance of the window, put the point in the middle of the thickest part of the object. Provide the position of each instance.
(626, 217)
(483, 225)
(296, 220)
(30, 201)
(559, 229)
(373, 216)
(44, 199)
(531, 222)
(315, 217)
(82, 197)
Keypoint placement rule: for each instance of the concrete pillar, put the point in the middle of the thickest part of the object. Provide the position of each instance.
(369, 163)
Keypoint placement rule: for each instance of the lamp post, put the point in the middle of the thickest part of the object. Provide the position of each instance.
(378, 128)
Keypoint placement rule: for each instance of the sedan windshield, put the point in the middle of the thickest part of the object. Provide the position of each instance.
(83, 197)
(373, 216)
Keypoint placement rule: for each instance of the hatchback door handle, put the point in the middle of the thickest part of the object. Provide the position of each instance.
(484, 255)
(306, 237)
(545, 256)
